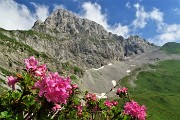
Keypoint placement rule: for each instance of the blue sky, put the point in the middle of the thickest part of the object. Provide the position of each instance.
(157, 21)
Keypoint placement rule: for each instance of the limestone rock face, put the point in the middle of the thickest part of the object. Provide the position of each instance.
(85, 42)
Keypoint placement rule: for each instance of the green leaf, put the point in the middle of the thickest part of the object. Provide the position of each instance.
(5, 115)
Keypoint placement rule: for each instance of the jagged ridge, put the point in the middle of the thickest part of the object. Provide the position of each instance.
(85, 42)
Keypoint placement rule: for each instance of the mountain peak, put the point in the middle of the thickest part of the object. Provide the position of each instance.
(63, 21)
(86, 41)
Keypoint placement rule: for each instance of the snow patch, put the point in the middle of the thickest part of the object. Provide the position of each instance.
(113, 82)
(110, 64)
(128, 71)
(132, 65)
(98, 68)
(102, 95)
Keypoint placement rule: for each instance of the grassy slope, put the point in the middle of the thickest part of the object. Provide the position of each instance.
(159, 90)
(171, 47)
(11, 45)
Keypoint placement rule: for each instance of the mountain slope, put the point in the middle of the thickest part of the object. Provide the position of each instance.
(171, 47)
(158, 88)
(65, 38)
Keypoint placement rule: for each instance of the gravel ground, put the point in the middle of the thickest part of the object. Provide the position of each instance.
(99, 80)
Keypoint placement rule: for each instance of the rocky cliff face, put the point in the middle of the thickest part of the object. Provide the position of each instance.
(85, 42)
(65, 37)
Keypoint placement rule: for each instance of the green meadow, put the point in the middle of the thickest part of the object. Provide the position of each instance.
(158, 89)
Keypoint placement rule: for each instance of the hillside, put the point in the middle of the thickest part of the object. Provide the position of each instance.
(158, 88)
(171, 47)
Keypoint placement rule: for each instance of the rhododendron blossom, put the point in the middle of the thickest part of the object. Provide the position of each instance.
(56, 107)
(12, 81)
(115, 103)
(54, 88)
(132, 108)
(74, 86)
(91, 96)
(110, 104)
(31, 63)
(121, 91)
(41, 70)
(80, 109)
(42, 92)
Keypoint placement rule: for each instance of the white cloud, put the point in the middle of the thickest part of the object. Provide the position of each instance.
(93, 12)
(170, 33)
(41, 11)
(120, 30)
(156, 15)
(18, 16)
(165, 32)
(142, 17)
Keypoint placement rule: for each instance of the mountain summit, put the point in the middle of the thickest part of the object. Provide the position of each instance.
(85, 42)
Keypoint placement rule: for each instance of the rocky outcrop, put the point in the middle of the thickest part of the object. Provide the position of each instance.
(135, 45)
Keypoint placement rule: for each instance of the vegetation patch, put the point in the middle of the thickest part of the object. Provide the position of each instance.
(5, 72)
(171, 47)
(159, 90)
(27, 33)
(72, 69)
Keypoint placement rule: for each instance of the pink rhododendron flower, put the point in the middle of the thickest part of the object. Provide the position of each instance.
(115, 103)
(31, 63)
(121, 91)
(74, 86)
(132, 108)
(110, 104)
(56, 107)
(41, 70)
(90, 97)
(79, 108)
(54, 88)
(12, 81)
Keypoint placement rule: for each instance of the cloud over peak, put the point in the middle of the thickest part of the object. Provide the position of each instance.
(142, 16)
(92, 11)
(169, 33)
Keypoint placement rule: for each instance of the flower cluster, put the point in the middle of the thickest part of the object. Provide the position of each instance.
(74, 86)
(132, 108)
(56, 107)
(33, 67)
(122, 91)
(31, 63)
(91, 97)
(79, 109)
(54, 88)
(110, 104)
(12, 81)
(53, 92)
